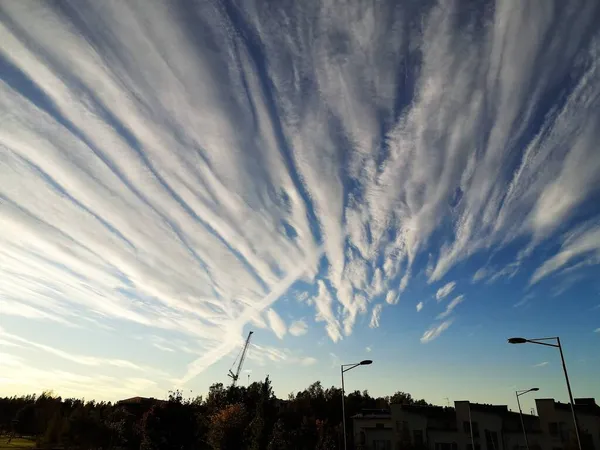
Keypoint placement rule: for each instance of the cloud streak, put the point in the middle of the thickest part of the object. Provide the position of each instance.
(435, 331)
(445, 291)
(450, 307)
(179, 168)
(298, 328)
(276, 323)
(375, 316)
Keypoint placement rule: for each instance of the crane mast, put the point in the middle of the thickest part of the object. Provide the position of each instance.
(236, 375)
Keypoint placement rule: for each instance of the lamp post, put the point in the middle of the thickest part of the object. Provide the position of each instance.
(542, 341)
(518, 394)
(345, 368)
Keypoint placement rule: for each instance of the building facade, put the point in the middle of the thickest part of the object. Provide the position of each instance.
(473, 426)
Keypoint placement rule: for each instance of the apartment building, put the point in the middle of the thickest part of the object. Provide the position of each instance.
(556, 420)
(474, 426)
(374, 430)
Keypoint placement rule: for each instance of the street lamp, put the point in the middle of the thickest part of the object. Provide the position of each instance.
(542, 341)
(345, 368)
(518, 394)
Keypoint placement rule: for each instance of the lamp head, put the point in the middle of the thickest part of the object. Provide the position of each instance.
(517, 340)
(366, 362)
(534, 389)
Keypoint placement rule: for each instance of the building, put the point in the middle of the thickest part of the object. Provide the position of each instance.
(557, 423)
(474, 426)
(373, 430)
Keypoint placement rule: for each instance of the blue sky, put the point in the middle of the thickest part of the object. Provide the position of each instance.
(406, 182)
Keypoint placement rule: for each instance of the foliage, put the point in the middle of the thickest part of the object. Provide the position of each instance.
(229, 417)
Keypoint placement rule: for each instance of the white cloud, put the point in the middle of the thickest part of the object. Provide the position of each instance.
(79, 359)
(368, 349)
(508, 271)
(375, 315)
(308, 361)
(419, 306)
(323, 304)
(526, 298)
(5, 343)
(480, 274)
(445, 290)
(434, 331)
(298, 328)
(597, 330)
(158, 183)
(263, 355)
(450, 307)
(542, 364)
(583, 241)
(392, 297)
(276, 323)
(162, 347)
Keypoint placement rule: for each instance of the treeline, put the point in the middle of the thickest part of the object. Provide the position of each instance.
(228, 418)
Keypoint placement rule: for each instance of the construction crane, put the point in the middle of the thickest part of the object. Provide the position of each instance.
(241, 356)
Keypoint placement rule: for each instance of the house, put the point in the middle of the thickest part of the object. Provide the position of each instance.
(475, 426)
(556, 421)
(373, 430)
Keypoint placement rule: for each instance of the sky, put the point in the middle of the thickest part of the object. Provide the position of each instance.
(407, 182)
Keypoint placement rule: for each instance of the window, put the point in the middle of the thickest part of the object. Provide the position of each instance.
(362, 438)
(491, 440)
(467, 428)
(563, 431)
(418, 437)
(553, 428)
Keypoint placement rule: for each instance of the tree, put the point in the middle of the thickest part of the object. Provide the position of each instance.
(402, 398)
(226, 431)
(169, 425)
(280, 438)
(25, 421)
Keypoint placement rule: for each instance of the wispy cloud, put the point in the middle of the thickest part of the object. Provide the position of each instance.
(584, 240)
(80, 359)
(264, 354)
(368, 349)
(323, 303)
(445, 290)
(419, 306)
(597, 330)
(392, 297)
(308, 361)
(542, 364)
(375, 315)
(480, 275)
(450, 307)
(298, 328)
(526, 299)
(19, 375)
(179, 188)
(434, 331)
(276, 323)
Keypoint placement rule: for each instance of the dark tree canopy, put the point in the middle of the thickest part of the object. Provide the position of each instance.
(229, 417)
